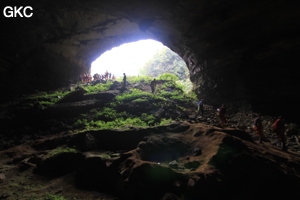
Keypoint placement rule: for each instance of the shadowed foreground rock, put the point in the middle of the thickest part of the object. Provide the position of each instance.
(211, 163)
(231, 166)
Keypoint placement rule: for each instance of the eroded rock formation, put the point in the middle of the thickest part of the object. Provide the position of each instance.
(234, 50)
(178, 161)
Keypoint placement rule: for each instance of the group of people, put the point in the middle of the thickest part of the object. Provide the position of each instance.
(87, 78)
(277, 127)
(221, 111)
(106, 76)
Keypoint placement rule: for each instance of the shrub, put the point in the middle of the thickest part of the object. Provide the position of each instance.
(81, 123)
(167, 76)
(133, 94)
(110, 113)
(144, 121)
(100, 87)
(165, 121)
(48, 98)
(140, 100)
(139, 79)
(117, 123)
(150, 119)
(60, 150)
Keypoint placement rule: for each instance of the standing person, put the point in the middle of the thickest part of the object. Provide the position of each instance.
(96, 77)
(279, 130)
(221, 112)
(106, 75)
(85, 78)
(124, 80)
(258, 128)
(90, 78)
(153, 85)
(200, 107)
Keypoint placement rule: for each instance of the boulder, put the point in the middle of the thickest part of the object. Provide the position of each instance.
(102, 96)
(197, 151)
(73, 96)
(90, 142)
(173, 164)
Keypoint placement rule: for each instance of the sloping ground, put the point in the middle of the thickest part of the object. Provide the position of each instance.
(177, 161)
(44, 156)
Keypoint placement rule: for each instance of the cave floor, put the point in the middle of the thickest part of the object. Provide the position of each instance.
(22, 149)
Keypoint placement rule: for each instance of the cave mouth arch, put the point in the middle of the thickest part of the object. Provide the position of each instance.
(142, 57)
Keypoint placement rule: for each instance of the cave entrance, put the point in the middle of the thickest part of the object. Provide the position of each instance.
(143, 57)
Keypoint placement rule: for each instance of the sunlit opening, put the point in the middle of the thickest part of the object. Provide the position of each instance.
(128, 58)
(141, 58)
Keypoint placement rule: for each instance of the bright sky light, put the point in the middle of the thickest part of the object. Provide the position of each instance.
(127, 58)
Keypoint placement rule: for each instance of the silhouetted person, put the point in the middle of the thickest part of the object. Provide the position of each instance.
(124, 79)
(106, 75)
(200, 107)
(279, 130)
(222, 112)
(153, 85)
(90, 78)
(96, 76)
(258, 128)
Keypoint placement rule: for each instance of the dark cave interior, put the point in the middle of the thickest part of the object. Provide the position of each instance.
(242, 53)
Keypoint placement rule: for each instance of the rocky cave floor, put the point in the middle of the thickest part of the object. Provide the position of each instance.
(190, 158)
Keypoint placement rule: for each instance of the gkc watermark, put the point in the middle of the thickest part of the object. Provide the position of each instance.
(18, 11)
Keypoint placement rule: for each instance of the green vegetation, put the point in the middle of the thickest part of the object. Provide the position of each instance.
(167, 65)
(137, 108)
(60, 150)
(100, 87)
(42, 100)
(135, 94)
(132, 107)
(110, 113)
(165, 61)
(132, 94)
(111, 118)
(121, 123)
(168, 76)
(51, 96)
(117, 123)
